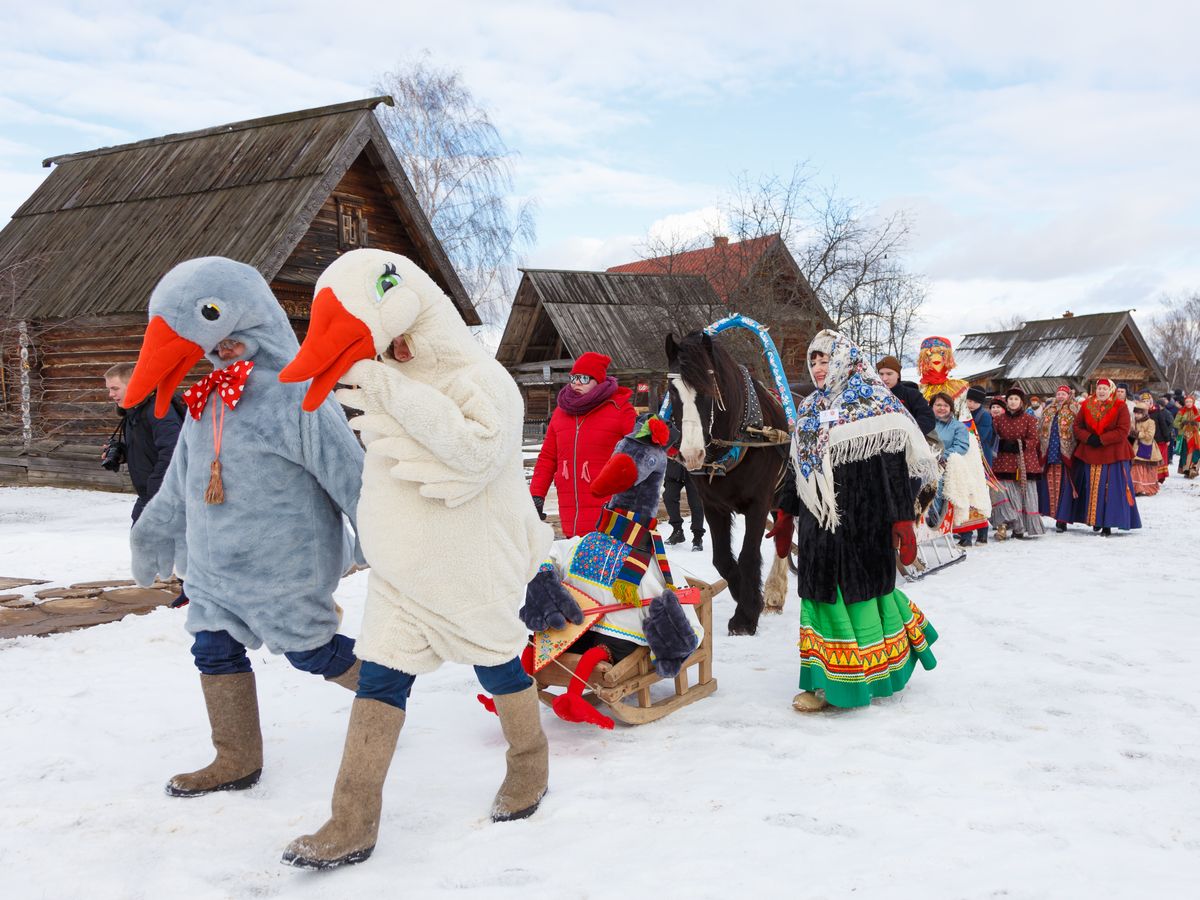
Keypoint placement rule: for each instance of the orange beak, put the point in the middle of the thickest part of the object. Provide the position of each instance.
(335, 341)
(619, 474)
(164, 359)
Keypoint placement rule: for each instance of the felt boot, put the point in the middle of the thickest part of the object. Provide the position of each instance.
(232, 702)
(349, 678)
(808, 701)
(528, 756)
(349, 835)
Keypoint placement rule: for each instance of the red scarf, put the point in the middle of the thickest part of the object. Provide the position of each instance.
(230, 381)
(1097, 415)
(932, 377)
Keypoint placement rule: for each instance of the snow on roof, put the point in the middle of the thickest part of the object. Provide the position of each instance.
(976, 354)
(1050, 356)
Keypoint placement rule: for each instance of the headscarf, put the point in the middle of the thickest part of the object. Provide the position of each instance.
(1064, 411)
(852, 418)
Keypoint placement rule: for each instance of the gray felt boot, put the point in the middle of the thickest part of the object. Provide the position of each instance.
(528, 756)
(232, 702)
(349, 835)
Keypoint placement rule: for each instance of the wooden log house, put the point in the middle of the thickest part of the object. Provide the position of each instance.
(558, 315)
(286, 194)
(1072, 350)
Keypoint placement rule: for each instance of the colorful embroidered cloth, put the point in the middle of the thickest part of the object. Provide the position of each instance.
(636, 532)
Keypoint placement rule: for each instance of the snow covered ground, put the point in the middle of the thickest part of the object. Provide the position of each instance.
(1053, 753)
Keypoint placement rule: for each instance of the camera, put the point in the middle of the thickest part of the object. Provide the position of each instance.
(113, 453)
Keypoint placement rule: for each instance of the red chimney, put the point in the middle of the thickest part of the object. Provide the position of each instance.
(720, 241)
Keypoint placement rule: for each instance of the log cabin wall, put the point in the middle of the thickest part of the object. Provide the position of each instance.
(357, 214)
(70, 402)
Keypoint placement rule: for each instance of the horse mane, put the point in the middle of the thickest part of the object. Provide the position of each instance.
(713, 375)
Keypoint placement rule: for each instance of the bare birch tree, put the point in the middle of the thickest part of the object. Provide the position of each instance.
(462, 172)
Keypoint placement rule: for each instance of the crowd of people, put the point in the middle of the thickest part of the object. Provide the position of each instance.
(874, 463)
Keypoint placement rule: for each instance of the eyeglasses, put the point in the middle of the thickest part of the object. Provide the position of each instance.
(581, 379)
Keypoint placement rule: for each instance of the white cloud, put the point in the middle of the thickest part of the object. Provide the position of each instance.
(1049, 147)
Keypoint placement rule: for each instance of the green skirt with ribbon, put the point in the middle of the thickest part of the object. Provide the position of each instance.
(856, 651)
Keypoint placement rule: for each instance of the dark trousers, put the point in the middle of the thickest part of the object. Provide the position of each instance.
(671, 491)
(220, 653)
(391, 686)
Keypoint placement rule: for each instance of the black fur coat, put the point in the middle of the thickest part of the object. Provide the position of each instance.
(858, 557)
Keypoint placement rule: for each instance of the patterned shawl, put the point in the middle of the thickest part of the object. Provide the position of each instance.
(1065, 411)
(852, 418)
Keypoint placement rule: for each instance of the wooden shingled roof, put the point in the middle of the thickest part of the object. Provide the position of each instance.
(1044, 353)
(106, 224)
(625, 316)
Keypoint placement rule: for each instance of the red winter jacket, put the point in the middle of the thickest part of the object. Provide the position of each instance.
(573, 453)
(1109, 420)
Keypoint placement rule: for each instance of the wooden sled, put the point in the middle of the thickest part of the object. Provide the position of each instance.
(623, 689)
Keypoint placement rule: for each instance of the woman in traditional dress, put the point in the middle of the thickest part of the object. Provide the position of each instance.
(1187, 426)
(1162, 432)
(858, 462)
(1056, 438)
(1146, 455)
(1018, 466)
(1101, 474)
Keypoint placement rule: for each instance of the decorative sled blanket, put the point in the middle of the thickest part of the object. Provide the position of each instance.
(550, 644)
(618, 554)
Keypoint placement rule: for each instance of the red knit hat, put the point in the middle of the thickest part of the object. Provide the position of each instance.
(594, 364)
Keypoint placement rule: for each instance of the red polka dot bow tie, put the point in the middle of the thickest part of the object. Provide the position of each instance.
(229, 383)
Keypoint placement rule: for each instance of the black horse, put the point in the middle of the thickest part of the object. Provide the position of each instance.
(712, 407)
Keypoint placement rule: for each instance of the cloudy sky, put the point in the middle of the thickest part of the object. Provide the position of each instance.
(1046, 151)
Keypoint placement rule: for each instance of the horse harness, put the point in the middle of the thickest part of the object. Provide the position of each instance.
(751, 433)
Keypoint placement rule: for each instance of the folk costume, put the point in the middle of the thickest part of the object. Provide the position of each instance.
(1056, 440)
(252, 506)
(1018, 468)
(858, 461)
(1101, 473)
(622, 564)
(1187, 427)
(1147, 458)
(442, 426)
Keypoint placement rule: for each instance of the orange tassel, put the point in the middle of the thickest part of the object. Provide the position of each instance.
(216, 489)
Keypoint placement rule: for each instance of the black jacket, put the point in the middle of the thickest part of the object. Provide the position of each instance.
(1164, 425)
(149, 443)
(857, 559)
(914, 401)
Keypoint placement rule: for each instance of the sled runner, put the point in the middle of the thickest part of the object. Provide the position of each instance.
(933, 554)
(623, 688)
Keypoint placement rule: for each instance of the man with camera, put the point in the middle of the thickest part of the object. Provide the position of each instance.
(142, 441)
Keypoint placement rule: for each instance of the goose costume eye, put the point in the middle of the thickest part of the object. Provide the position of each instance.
(388, 280)
(210, 311)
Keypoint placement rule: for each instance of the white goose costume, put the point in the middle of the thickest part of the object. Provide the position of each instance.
(444, 516)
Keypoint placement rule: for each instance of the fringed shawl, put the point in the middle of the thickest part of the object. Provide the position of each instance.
(852, 418)
(1065, 412)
